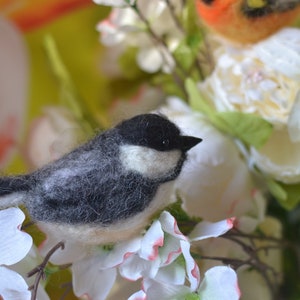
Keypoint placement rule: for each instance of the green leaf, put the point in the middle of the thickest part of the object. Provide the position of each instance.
(192, 296)
(249, 128)
(288, 195)
(184, 55)
(190, 18)
(166, 83)
(187, 51)
(196, 100)
(69, 94)
(277, 190)
(68, 91)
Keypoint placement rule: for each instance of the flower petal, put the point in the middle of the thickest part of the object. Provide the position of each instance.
(140, 295)
(153, 238)
(170, 251)
(204, 229)
(219, 283)
(172, 274)
(294, 121)
(135, 268)
(282, 52)
(169, 225)
(14, 244)
(112, 2)
(119, 253)
(90, 281)
(13, 286)
(192, 269)
(72, 252)
(157, 290)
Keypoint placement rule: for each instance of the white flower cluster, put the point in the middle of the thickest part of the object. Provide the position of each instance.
(160, 258)
(125, 28)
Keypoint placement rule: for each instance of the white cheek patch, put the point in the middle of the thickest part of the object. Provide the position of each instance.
(149, 162)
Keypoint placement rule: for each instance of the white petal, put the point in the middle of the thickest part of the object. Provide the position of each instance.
(157, 290)
(219, 283)
(279, 157)
(281, 52)
(119, 253)
(111, 2)
(294, 121)
(31, 260)
(170, 251)
(13, 286)
(192, 268)
(71, 253)
(169, 225)
(171, 274)
(135, 268)
(150, 59)
(89, 281)
(14, 244)
(140, 295)
(153, 238)
(204, 229)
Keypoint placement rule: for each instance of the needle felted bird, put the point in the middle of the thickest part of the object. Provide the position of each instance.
(247, 21)
(107, 189)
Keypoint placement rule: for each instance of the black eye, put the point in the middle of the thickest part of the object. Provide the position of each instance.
(165, 142)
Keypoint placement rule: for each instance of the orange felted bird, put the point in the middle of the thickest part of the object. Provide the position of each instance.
(247, 21)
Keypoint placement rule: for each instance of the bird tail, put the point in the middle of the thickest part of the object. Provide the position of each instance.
(12, 190)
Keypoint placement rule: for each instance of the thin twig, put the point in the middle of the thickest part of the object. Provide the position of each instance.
(174, 16)
(159, 41)
(40, 269)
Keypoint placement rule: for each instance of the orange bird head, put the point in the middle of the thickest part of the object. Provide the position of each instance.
(247, 21)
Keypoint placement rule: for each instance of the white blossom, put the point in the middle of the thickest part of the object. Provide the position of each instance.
(151, 257)
(14, 246)
(124, 28)
(264, 79)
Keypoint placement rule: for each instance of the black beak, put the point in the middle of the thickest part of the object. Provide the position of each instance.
(188, 142)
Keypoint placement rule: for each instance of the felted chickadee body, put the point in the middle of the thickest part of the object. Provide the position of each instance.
(107, 189)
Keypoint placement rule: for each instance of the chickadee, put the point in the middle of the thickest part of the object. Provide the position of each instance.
(107, 189)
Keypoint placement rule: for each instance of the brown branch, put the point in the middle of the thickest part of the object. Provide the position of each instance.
(40, 269)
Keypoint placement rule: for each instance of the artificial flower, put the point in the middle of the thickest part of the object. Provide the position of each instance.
(215, 182)
(125, 28)
(264, 79)
(13, 80)
(151, 256)
(14, 246)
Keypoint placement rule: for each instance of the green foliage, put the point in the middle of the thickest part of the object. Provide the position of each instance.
(288, 195)
(192, 296)
(249, 128)
(68, 92)
(167, 84)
